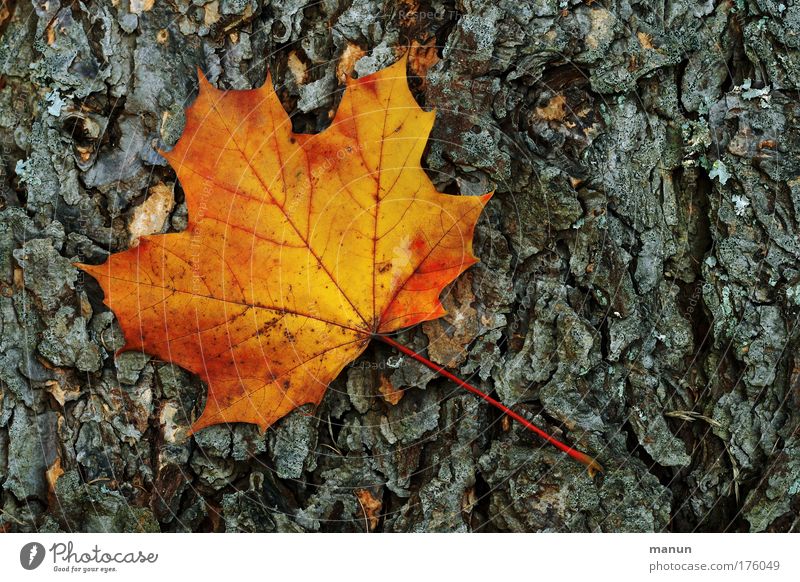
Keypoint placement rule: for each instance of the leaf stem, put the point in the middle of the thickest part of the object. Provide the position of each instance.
(591, 464)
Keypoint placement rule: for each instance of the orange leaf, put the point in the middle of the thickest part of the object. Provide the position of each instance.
(299, 248)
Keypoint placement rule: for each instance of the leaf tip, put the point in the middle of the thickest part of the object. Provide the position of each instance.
(93, 270)
(267, 87)
(198, 425)
(122, 349)
(396, 70)
(164, 154)
(403, 60)
(202, 81)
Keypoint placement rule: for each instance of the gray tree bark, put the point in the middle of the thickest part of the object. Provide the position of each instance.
(638, 293)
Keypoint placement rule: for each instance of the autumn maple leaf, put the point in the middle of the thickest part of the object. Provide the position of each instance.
(299, 248)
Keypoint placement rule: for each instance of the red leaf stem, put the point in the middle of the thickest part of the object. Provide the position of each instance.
(591, 464)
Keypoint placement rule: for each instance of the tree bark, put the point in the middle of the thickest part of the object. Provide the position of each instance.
(637, 295)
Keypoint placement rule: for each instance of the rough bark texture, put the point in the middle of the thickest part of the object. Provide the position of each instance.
(638, 293)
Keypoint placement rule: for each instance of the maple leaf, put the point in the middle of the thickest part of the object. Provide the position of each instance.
(299, 247)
